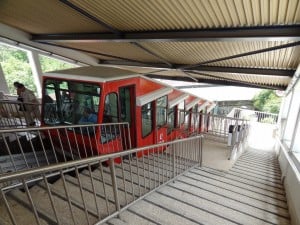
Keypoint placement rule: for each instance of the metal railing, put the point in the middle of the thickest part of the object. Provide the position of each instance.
(256, 116)
(24, 148)
(18, 114)
(227, 130)
(91, 196)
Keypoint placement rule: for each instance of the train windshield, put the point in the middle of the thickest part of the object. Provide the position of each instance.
(68, 102)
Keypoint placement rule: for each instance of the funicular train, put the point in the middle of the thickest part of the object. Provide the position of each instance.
(154, 111)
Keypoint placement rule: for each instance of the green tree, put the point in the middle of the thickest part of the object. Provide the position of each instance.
(16, 67)
(50, 64)
(267, 101)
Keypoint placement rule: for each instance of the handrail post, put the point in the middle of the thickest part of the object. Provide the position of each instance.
(114, 183)
(200, 150)
(173, 161)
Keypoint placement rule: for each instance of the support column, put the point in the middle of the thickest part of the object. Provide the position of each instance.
(36, 69)
(3, 83)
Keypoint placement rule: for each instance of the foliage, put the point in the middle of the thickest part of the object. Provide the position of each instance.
(49, 64)
(267, 101)
(16, 67)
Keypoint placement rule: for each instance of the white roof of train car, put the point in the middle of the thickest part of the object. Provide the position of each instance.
(93, 73)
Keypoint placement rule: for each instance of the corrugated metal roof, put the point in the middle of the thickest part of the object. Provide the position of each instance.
(174, 36)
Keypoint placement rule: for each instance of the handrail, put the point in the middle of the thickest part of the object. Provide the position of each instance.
(290, 161)
(32, 172)
(21, 146)
(128, 176)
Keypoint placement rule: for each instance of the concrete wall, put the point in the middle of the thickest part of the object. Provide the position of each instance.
(291, 178)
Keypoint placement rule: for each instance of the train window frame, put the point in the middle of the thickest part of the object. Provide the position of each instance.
(148, 110)
(71, 97)
(171, 123)
(111, 114)
(181, 113)
(161, 105)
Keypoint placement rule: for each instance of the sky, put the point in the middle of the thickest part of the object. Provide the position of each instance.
(217, 93)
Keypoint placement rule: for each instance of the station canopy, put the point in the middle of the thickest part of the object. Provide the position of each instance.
(249, 43)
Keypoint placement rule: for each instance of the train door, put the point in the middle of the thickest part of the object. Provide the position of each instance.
(127, 112)
(161, 120)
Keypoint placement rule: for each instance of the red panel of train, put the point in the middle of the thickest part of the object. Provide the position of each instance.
(154, 111)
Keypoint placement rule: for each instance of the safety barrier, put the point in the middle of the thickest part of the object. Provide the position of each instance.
(227, 130)
(24, 148)
(92, 195)
(251, 115)
(18, 114)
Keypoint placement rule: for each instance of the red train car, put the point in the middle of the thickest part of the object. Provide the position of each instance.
(175, 113)
(112, 95)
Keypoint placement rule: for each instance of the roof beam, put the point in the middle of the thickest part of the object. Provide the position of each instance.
(217, 82)
(254, 71)
(111, 29)
(262, 33)
(89, 16)
(293, 44)
(221, 69)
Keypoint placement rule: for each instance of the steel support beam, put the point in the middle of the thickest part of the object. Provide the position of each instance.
(217, 82)
(263, 33)
(254, 71)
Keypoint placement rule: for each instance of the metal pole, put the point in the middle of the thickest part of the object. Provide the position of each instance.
(114, 183)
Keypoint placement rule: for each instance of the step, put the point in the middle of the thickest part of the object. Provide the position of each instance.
(218, 202)
(116, 221)
(166, 211)
(22, 214)
(89, 201)
(62, 207)
(231, 194)
(132, 218)
(43, 205)
(124, 198)
(198, 209)
(242, 183)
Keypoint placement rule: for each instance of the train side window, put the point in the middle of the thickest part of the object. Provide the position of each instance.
(110, 114)
(147, 119)
(171, 119)
(69, 100)
(161, 111)
(181, 113)
(125, 100)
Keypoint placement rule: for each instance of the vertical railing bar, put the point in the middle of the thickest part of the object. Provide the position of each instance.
(11, 215)
(61, 145)
(31, 201)
(43, 147)
(163, 164)
(69, 143)
(138, 175)
(131, 176)
(53, 148)
(82, 139)
(114, 183)
(148, 153)
(21, 149)
(104, 189)
(82, 195)
(68, 196)
(94, 191)
(153, 153)
(76, 142)
(124, 182)
(51, 199)
(144, 173)
(10, 155)
(173, 161)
